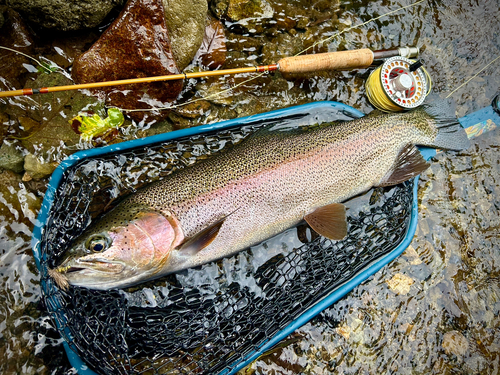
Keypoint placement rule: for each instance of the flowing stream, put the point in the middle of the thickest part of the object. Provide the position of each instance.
(435, 309)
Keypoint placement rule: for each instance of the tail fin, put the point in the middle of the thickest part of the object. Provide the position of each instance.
(451, 135)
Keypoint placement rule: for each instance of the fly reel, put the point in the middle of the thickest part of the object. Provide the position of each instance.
(399, 84)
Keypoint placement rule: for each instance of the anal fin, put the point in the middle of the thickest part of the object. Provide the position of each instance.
(409, 163)
(329, 221)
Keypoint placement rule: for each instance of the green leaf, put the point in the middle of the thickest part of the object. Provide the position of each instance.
(45, 67)
(93, 126)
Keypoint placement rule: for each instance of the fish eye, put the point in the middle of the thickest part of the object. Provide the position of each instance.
(97, 243)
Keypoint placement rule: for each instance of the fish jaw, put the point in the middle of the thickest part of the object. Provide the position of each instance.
(137, 251)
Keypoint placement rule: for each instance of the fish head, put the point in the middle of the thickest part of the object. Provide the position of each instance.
(123, 248)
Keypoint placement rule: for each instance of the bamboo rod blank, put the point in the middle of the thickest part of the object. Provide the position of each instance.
(354, 59)
(45, 90)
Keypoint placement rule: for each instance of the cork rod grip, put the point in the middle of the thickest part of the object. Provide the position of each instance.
(343, 60)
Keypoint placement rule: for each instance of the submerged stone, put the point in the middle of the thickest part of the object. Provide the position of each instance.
(194, 109)
(37, 169)
(212, 52)
(65, 14)
(11, 157)
(186, 27)
(455, 343)
(135, 45)
(46, 129)
(400, 284)
(238, 10)
(18, 205)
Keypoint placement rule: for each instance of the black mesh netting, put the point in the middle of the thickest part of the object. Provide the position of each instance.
(207, 319)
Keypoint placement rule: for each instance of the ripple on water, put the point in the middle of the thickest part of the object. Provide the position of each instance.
(454, 300)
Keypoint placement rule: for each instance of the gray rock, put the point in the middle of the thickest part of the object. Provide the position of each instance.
(186, 21)
(65, 14)
(11, 158)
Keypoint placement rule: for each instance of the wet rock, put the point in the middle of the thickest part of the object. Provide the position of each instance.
(249, 16)
(159, 127)
(412, 256)
(18, 204)
(236, 59)
(65, 48)
(14, 34)
(215, 92)
(36, 168)
(179, 122)
(11, 157)
(65, 14)
(420, 272)
(186, 21)
(4, 124)
(238, 10)
(284, 45)
(356, 328)
(141, 33)
(344, 330)
(455, 343)
(212, 52)
(400, 284)
(47, 131)
(302, 23)
(194, 109)
(220, 113)
(250, 106)
(246, 43)
(275, 86)
(219, 7)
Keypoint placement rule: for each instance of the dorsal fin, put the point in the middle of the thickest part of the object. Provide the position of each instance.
(408, 164)
(329, 221)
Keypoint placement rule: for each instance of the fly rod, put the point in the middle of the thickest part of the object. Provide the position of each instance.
(343, 60)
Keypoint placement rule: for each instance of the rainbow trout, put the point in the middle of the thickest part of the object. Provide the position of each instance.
(270, 182)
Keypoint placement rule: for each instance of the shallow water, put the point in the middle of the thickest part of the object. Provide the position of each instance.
(433, 310)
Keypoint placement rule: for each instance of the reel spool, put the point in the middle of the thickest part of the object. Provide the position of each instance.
(399, 84)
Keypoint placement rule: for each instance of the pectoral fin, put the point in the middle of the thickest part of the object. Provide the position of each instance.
(329, 221)
(409, 163)
(201, 239)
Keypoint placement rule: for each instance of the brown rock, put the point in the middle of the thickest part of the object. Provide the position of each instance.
(15, 35)
(135, 45)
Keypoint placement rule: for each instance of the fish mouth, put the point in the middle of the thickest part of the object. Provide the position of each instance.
(94, 265)
(73, 269)
(65, 275)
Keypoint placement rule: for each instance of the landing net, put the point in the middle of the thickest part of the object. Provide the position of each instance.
(207, 319)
